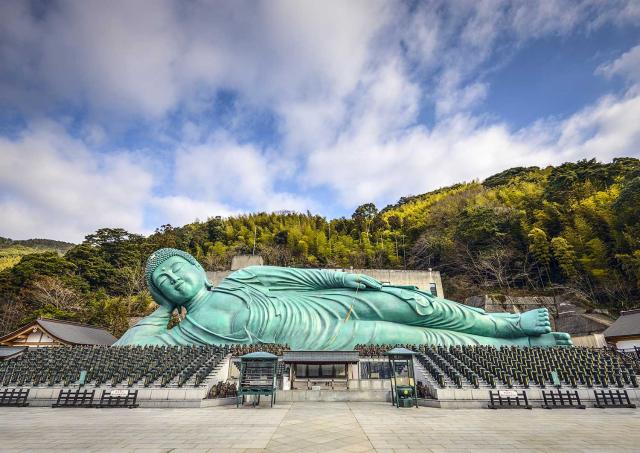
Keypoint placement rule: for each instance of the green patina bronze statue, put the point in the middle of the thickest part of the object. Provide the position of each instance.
(316, 310)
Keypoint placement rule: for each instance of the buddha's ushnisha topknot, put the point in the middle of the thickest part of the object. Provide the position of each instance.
(160, 256)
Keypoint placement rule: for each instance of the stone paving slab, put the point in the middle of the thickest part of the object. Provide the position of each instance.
(318, 427)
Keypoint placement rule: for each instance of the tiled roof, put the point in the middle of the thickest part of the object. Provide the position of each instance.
(75, 333)
(628, 324)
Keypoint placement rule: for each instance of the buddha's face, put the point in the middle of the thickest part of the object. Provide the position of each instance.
(178, 279)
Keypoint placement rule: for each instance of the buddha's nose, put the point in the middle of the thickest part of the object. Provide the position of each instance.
(174, 278)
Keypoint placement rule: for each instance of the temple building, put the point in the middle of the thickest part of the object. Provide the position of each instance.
(55, 332)
(625, 332)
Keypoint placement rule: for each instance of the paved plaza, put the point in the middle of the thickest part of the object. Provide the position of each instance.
(318, 427)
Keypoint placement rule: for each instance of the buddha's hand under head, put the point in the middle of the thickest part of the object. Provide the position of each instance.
(360, 281)
(165, 304)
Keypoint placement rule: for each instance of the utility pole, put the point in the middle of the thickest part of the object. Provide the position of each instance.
(255, 234)
(395, 236)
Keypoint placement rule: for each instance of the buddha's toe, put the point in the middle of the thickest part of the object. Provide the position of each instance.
(562, 339)
(551, 339)
(536, 322)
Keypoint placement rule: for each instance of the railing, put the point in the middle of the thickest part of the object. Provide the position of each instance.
(328, 383)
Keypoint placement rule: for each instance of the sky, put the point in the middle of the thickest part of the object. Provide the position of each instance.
(138, 113)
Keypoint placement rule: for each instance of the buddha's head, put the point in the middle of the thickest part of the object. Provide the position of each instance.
(174, 277)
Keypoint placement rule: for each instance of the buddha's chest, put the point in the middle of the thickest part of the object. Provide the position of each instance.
(221, 313)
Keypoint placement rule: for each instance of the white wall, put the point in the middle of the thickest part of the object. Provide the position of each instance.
(628, 344)
(595, 340)
(36, 338)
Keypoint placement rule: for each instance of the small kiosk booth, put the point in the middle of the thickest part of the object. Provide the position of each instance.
(257, 377)
(403, 379)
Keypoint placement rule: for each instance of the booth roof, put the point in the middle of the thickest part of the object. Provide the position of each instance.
(320, 356)
(259, 355)
(400, 351)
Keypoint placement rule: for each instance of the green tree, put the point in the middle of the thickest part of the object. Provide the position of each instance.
(565, 256)
(364, 215)
(539, 246)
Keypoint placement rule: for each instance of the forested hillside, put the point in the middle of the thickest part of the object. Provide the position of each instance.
(12, 251)
(573, 228)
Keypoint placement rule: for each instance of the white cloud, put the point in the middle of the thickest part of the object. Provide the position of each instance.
(459, 99)
(347, 84)
(382, 154)
(241, 175)
(149, 56)
(452, 42)
(627, 66)
(55, 186)
(51, 182)
(180, 210)
(605, 130)
(146, 57)
(362, 166)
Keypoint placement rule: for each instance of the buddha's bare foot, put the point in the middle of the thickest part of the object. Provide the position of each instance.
(535, 322)
(551, 339)
(506, 315)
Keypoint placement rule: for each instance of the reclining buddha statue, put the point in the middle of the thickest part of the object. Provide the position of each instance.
(316, 309)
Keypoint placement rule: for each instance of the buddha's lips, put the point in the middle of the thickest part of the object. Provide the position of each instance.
(178, 285)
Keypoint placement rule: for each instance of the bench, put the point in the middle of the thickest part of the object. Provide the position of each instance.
(14, 397)
(254, 391)
(561, 400)
(74, 398)
(612, 399)
(119, 398)
(508, 399)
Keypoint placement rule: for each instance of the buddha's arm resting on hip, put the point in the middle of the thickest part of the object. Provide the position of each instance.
(402, 305)
(295, 279)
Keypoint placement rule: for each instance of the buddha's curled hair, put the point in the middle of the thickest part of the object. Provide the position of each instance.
(160, 256)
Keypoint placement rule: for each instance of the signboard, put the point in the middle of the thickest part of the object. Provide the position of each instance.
(119, 392)
(508, 393)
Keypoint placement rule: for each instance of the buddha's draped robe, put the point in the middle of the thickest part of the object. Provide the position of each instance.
(311, 309)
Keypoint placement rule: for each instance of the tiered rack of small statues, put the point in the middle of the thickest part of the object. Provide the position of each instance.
(455, 366)
(223, 390)
(520, 367)
(238, 350)
(132, 366)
